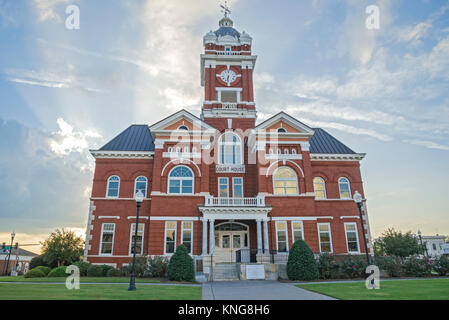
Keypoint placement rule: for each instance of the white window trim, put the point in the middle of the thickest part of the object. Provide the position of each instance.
(293, 230)
(227, 184)
(165, 237)
(285, 179)
(239, 142)
(330, 236)
(131, 244)
(181, 178)
(356, 235)
(101, 240)
(107, 187)
(146, 186)
(233, 184)
(349, 187)
(286, 237)
(182, 235)
(325, 192)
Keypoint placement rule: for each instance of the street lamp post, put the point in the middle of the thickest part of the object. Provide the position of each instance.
(13, 234)
(420, 240)
(132, 281)
(358, 200)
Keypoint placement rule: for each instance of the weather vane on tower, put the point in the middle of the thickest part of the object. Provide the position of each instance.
(226, 9)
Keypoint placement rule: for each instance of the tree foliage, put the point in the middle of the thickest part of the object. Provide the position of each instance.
(301, 264)
(62, 248)
(180, 266)
(396, 243)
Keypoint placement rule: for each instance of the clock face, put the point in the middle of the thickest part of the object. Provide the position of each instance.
(228, 76)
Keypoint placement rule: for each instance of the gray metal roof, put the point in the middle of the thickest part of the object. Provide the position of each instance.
(135, 138)
(323, 142)
(225, 31)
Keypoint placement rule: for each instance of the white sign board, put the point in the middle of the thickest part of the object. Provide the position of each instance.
(255, 271)
(230, 168)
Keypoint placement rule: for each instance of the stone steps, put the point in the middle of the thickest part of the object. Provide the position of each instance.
(225, 271)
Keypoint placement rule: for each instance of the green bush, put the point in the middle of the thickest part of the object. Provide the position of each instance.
(157, 266)
(441, 265)
(301, 264)
(35, 273)
(83, 266)
(58, 272)
(416, 266)
(327, 266)
(113, 273)
(104, 270)
(45, 270)
(180, 266)
(37, 261)
(125, 271)
(391, 264)
(353, 267)
(95, 271)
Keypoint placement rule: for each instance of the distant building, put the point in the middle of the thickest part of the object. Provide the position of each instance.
(19, 260)
(435, 245)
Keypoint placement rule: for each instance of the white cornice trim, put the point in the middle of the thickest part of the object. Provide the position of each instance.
(349, 217)
(301, 218)
(109, 217)
(336, 157)
(140, 217)
(100, 154)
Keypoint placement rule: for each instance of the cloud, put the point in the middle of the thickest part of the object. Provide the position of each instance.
(428, 144)
(47, 9)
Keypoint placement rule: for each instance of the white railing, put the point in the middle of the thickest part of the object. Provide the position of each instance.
(228, 53)
(258, 201)
(229, 105)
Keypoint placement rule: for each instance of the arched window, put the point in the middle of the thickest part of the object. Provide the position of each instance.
(319, 186)
(180, 180)
(170, 149)
(285, 181)
(345, 188)
(186, 149)
(271, 151)
(230, 149)
(282, 130)
(194, 149)
(183, 128)
(113, 187)
(285, 151)
(279, 151)
(294, 151)
(141, 184)
(178, 149)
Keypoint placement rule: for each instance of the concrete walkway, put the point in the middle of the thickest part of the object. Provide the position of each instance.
(257, 290)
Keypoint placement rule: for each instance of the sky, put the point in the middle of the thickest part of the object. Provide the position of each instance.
(384, 92)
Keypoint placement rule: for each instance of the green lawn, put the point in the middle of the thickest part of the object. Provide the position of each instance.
(14, 291)
(432, 289)
(82, 279)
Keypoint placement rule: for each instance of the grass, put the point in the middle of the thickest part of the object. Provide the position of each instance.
(432, 289)
(16, 291)
(82, 279)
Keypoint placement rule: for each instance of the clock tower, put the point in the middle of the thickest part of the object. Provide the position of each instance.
(227, 77)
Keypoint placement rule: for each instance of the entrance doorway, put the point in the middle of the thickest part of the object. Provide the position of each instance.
(229, 238)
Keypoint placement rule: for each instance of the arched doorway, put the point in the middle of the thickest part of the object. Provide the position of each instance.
(230, 237)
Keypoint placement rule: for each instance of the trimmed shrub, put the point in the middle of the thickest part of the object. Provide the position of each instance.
(45, 270)
(416, 266)
(157, 266)
(83, 266)
(95, 271)
(104, 270)
(35, 273)
(441, 265)
(327, 266)
(301, 264)
(113, 273)
(353, 267)
(180, 266)
(125, 271)
(58, 272)
(391, 264)
(37, 261)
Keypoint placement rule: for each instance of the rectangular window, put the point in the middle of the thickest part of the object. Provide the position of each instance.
(297, 231)
(229, 96)
(352, 239)
(187, 235)
(170, 237)
(107, 238)
(281, 235)
(325, 237)
(223, 187)
(139, 243)
(237, 187)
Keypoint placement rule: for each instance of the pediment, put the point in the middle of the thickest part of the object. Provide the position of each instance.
(181, 119)
(287, 122)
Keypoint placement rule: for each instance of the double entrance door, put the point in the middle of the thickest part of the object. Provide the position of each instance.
(227, 243)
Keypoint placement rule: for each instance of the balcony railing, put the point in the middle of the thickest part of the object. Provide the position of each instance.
(258, 201)
(229, 105)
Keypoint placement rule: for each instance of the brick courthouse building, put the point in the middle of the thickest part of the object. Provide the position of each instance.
(220, 184)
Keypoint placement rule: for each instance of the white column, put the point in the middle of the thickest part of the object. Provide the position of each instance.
(259, 236)
(211, 236)
(265, 237)
(204, 252)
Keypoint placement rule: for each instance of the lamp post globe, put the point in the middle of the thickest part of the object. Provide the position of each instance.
(139, 196)
(358, 200)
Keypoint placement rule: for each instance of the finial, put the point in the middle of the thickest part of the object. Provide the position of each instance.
(226, 9)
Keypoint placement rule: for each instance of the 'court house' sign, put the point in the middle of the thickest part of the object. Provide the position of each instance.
(230, 168)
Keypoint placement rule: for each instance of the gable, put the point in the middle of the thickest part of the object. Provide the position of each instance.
(291, 124)
(178, 119)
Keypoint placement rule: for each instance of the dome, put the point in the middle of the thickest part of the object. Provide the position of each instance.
(226, 28)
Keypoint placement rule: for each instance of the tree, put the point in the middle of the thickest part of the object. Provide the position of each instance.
(180, 266)
(396, 243)
(62, 248)
(301, 263)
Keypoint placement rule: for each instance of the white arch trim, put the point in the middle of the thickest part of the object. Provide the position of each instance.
(284, 161)
(227, 222)
(180, 162)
